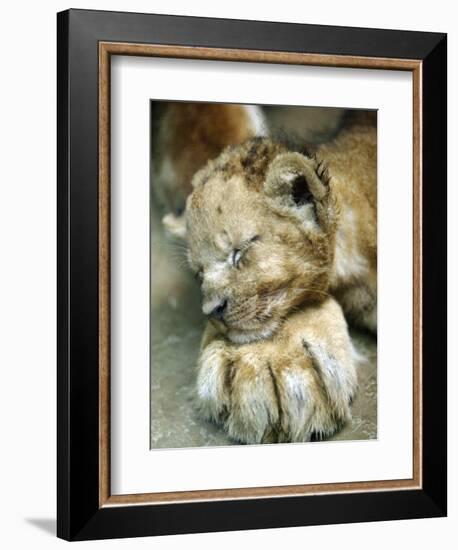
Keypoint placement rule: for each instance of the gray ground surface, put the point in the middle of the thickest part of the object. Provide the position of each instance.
(176, 327)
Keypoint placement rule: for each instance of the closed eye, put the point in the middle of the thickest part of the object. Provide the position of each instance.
(238, 253)
(236, 257)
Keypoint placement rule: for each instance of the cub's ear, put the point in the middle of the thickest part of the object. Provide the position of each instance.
(294, 186)
(293, 176)
(175, 225)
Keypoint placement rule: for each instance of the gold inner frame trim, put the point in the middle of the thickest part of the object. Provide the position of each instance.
(106, 50)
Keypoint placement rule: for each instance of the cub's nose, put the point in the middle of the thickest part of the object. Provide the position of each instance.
(218, 311)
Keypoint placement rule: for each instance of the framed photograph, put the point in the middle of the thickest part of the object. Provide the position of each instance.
(251, 275)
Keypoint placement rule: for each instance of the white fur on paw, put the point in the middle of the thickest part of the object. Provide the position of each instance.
(297, 404)
(211, 395)
(339, 379)
(253, 408)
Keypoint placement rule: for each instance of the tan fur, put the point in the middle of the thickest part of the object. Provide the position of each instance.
(298, 383)
(352, 161)
(271, 235)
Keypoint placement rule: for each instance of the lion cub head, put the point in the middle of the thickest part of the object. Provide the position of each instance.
(260, 232)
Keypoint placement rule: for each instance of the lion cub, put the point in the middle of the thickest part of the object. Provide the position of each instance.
(281, 243)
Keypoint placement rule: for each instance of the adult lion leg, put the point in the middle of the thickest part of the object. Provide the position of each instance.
(287, 388)
(288, 396)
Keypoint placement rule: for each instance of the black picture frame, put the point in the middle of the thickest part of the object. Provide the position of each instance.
(79, 514)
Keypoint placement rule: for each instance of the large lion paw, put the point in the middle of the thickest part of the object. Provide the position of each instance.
(267, 392)
(235, 387)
